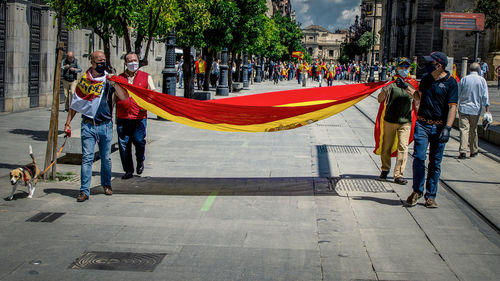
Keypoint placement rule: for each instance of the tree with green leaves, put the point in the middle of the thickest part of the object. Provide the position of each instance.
(250, 26)
(102, 16)
(491, 10)
(194, 18)
(146, 20)
(224, 15)
(290, 36)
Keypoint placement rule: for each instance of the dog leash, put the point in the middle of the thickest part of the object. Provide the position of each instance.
(58, 153)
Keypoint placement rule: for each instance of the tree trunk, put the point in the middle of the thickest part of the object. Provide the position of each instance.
(187, 69)
(107, 53)
(104, 35)
(209, 59)
(126, 36)
(153, 24)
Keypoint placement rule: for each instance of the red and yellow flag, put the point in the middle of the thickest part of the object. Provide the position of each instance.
(267, 112)
(379, 124)
(298, 54)
(454, 73)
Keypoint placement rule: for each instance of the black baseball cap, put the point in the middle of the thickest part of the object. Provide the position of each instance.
(438, 57)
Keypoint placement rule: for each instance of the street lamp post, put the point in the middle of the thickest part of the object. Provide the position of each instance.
(222, 88)
(258, 70)
(245, 72)
(372, 68)
(169, 71)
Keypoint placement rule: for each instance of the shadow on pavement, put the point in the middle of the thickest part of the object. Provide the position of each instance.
(390, 202)
(35, 135)
(9, 166)
(221, 186)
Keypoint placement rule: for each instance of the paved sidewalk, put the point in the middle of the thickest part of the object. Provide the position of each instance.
(291, 205)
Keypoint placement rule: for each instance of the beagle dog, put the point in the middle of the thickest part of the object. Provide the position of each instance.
(28, 174)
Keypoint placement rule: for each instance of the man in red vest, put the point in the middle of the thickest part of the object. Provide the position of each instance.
(131, 119)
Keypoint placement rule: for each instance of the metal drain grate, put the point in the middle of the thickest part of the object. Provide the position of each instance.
(45, 217)
(345, 149)
(122, 261)
(360, 185)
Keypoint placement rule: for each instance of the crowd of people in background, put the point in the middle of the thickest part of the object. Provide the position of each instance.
(318, 70)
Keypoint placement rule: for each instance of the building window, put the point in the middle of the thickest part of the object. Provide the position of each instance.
(311, 38)
(330, 53)
(310, 50)
(321, 47)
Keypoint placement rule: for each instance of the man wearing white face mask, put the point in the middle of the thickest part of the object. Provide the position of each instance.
(131, 120)
(397, 122)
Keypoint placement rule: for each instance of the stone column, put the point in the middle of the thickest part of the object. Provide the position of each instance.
(48, 44)
(222, 88)
(463, 71)
(16, 57)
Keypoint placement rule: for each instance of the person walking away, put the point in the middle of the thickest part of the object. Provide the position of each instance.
(180, 72)
(299, 70)
(397, 122)
(131, 119)
(484, 70)
(70, 68)
(214, 73)
(438, 96)
(304, 70)
(472, 96)
(95, 105)
(201, 66)
(497, 70)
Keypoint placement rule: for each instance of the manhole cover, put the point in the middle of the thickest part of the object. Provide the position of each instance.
(123, 261)
(45, 217)
(360, 185)
(339, 149)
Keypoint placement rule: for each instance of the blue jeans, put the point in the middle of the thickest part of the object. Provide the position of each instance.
(299, 76)
(181, 76)
(101, 134)
(427, 136)
(131, 131)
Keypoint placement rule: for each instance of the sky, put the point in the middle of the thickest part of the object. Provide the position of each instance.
(331, 14)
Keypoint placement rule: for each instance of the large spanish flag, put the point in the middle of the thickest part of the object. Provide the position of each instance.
(267, 112)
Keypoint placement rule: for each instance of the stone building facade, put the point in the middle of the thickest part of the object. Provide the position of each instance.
(371, 11)
(282, 7)
(414, 31)
(321, 43)
(28, 31)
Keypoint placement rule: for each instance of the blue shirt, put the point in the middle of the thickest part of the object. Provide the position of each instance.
(473, 94)
(103, 112)
(436, 97)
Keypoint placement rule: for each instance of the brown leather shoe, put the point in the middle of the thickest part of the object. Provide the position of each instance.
(82, 197)
(108, 190)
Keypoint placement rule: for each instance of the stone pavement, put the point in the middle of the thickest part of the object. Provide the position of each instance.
(293, 205)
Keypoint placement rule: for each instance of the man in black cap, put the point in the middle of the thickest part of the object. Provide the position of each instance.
(438, 96)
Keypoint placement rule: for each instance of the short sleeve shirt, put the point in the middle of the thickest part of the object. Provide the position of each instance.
(436, 97)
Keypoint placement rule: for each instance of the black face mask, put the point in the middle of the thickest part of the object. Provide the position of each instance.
(430, 67)
(100, 67)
